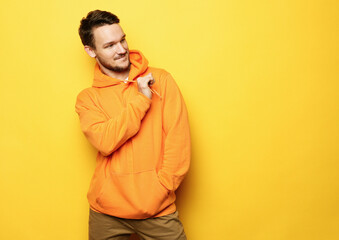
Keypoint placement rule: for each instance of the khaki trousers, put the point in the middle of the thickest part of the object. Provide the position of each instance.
(106, 227)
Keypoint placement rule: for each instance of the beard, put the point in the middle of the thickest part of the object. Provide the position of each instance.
(115, 68)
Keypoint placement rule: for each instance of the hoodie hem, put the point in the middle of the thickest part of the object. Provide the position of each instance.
(168, 210)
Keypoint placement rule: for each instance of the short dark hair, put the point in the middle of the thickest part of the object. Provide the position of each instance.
(94, 19)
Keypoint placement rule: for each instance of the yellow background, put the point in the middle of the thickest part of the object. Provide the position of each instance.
(260, 80)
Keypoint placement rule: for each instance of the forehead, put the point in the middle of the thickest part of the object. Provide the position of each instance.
(107, 33)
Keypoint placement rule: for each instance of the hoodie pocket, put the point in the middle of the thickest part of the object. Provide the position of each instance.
(137, 195)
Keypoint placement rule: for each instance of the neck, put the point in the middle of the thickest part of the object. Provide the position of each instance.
(118, 75)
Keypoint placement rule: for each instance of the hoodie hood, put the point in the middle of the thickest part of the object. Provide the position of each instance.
(139, 65)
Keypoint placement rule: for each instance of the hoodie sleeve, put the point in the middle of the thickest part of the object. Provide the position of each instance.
(177, 149)
(108, 134)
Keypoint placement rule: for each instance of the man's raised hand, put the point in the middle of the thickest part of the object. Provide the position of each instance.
(144, 83)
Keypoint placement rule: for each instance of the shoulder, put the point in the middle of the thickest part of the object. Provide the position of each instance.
(158, 72)
(86, 95)
(161, 75)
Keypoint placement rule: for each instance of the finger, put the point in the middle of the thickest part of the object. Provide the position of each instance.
(151, 82)
(146, 79)
(152, 79)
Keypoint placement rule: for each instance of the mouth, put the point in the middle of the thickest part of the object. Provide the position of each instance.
(121, 57)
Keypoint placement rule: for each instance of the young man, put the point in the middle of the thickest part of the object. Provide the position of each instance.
(135, 116)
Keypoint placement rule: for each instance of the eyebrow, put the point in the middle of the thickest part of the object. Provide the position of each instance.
(114, 42)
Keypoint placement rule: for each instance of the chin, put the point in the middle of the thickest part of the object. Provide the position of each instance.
(120, 68)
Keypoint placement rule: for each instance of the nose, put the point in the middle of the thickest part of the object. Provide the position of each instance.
(120, 48)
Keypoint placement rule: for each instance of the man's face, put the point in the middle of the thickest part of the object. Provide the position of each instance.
(111, 47)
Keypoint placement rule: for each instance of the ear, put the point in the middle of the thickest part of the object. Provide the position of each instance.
(90, 51)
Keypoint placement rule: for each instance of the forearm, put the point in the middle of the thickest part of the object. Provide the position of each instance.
(107, 135)
(176, 159)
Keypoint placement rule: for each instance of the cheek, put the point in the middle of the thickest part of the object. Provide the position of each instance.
(105, 53)
(108, 54)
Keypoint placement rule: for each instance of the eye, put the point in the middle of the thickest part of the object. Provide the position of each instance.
(109, 46)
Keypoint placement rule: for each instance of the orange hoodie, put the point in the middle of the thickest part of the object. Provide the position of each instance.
(143, 144)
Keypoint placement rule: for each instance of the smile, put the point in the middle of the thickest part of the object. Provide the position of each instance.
(121, 58)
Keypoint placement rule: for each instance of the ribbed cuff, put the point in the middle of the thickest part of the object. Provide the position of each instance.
(145, 99)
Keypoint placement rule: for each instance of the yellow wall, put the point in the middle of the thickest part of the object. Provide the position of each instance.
(260, 79)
